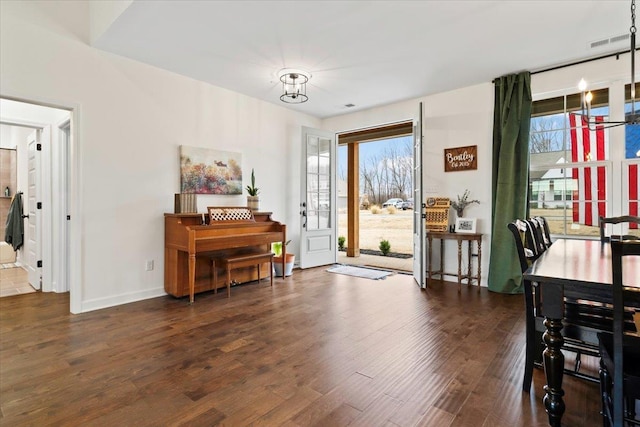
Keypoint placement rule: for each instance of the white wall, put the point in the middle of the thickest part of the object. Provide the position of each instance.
(131, 119)
(453, 119)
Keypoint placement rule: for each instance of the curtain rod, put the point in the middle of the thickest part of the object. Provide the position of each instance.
(557, 67)
(616, 54)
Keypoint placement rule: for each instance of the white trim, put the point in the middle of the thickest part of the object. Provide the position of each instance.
(76, 225)
(46, 254)
(60, 260)
(112, 301)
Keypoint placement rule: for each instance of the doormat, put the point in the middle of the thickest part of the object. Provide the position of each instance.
(367, 273)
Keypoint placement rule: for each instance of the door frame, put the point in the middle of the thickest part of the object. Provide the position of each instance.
(352, 139)
(74, 194)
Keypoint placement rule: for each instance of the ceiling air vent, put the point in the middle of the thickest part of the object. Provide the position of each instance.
(611, 40)
(621, 38)
(599, 43)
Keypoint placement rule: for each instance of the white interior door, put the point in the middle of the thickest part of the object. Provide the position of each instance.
(318, 207)
(419, 220)
(33, 230)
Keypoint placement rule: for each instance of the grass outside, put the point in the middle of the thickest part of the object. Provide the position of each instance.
(397, 228)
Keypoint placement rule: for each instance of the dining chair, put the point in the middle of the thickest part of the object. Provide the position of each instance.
(537, 235)
(523, 239)
(544, 230)
(579, 336)
(620, 351)
(617, 220)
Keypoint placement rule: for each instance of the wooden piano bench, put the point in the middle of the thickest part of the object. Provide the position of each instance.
(240, 261)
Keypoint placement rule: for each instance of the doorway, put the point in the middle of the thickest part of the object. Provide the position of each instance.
(42, 179)
(375, 195)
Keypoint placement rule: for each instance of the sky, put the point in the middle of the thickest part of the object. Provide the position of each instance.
(369, 149)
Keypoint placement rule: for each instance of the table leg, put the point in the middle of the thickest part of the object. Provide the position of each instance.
(459, 264)
(469, 259)
(192, 276)
(441, 259)
(429, 240)
(479, 260)
(553, 359)
(554, 371)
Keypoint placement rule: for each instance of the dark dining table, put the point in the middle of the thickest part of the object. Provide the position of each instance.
(582, 267)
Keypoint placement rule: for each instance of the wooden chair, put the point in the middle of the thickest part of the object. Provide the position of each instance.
(580, 337)
(617, 220)
(620, 361)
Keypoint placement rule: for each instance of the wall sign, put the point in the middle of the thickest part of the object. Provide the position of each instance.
(461, 158)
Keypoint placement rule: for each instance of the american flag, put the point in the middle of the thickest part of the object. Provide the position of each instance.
(634, 183)
(632, 151)
(588, 145)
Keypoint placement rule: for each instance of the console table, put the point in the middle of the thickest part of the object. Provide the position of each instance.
(459, 237)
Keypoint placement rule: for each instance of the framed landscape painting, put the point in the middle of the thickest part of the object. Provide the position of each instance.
(207, 171)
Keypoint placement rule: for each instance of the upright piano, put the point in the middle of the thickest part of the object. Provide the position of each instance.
(191, 241)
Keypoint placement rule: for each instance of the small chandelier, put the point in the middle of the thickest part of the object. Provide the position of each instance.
(294, 85)
(632, 118)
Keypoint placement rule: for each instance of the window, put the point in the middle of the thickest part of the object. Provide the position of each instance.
(572, 168)
(631, 164)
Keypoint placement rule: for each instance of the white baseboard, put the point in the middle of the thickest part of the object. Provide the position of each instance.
(100, 303)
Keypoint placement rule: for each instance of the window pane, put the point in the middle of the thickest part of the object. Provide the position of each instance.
(312, 220)
(547, 134)
(632, 141)
(571, 199)
(588, 143)
(312, 154)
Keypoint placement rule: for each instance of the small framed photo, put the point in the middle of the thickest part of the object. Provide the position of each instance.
(465, 225)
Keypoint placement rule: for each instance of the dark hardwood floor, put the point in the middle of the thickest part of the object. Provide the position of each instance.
(316, 349)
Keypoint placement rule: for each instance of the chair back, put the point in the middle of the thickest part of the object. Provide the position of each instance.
(617, 220)
(528, 241)
(544, 230)
(619, 250)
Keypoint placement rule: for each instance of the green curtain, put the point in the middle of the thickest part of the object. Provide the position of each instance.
(510, 180)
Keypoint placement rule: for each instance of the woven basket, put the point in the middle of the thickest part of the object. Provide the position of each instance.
(438, 215)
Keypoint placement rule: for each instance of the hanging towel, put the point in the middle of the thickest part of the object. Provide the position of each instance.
(14, 234)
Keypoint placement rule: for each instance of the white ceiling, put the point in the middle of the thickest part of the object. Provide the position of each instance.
(366, 53)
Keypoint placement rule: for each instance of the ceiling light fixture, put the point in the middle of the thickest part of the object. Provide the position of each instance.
(632, 118)
(294, 85)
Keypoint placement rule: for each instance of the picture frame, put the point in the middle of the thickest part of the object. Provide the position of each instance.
(466, 225)
(210, 171)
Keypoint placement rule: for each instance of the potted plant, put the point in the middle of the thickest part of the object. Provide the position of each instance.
(289, 259)
(462, 202)
(253, 200)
